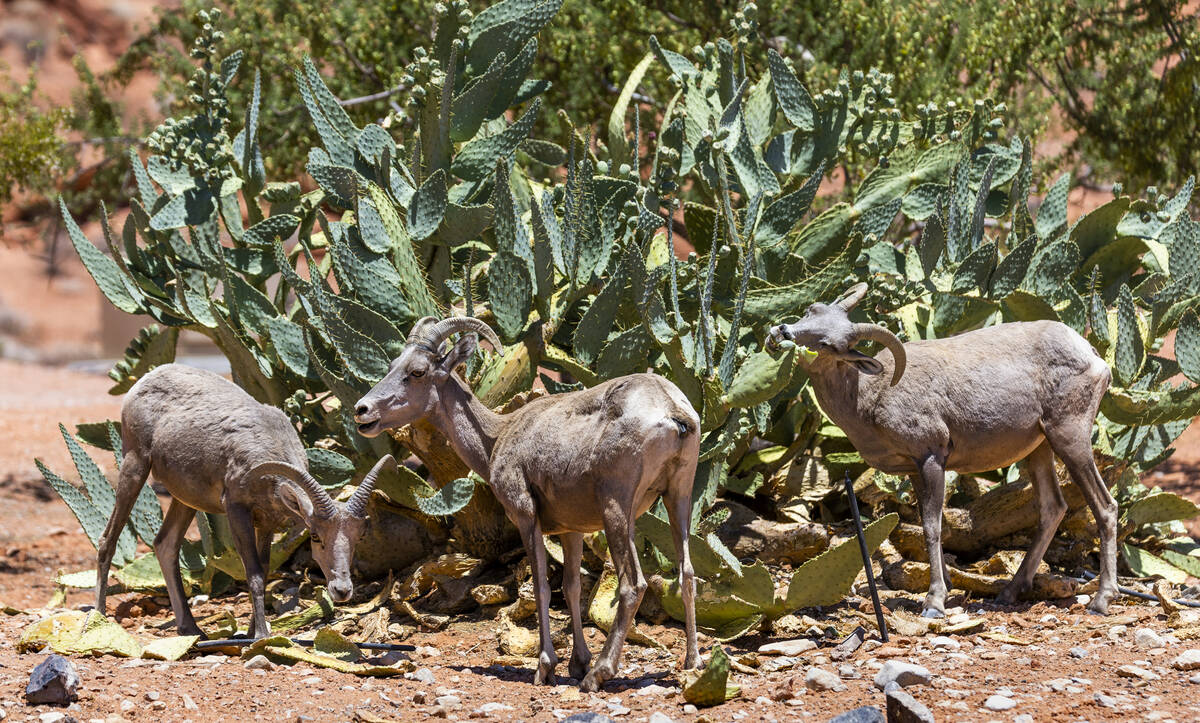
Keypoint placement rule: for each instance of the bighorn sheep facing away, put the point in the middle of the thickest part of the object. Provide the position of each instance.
(970, 403)
(216, 449)
(562, 465)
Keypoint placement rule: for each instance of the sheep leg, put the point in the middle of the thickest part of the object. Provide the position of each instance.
(241, 524)
(166, 549)
(265, 537)
(535, 548)
(572, 544)
(931, 494)
(1072, 443)
(679, 513)
(1051, 508)
(618, 530)
(134, 471)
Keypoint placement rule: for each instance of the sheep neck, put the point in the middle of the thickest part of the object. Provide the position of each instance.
(470, 426)
(845, 394)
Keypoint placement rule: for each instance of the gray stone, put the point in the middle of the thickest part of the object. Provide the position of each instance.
(657, 717)
(425, 675)
(788, 647)
(54, 681)
(999, 703)
(588, 717)
(1078, 652)
(447, 701)
(1147, 638)
(821, 679)
(1105, 701)
(903, 708)
(863, 714)
(1133, 671)
(1023, 718)
(944, 642)
(903, 674)
(1195, 679)
(258, 662)
(1187, 660)
(690, 709)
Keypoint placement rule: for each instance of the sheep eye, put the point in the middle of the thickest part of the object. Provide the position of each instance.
(313, 538)
(417, 373)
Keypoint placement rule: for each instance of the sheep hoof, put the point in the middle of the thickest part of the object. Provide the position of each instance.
(578, 668)
(933, 613)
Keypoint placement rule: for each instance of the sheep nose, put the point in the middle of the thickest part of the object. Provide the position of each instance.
(782, 331)
(362, 410)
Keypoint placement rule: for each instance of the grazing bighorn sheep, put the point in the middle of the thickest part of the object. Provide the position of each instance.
(562, 465)
(216, 449)
(970, 403)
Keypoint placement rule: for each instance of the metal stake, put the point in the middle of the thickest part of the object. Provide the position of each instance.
(866, 556)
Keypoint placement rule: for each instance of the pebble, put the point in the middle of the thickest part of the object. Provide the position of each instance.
(652, 689)
(944, 642)
(1105, 701)
(848, 672)
(53, 681)
(657, 717)
(487, 709)
(447, 701)
(1195, 679)
(1133, 671)
(690, 709)
(1147, 638)
(1078, 652)
(425, 675)
(862, 714)
(999, 703)
(127, 706)
(54, 717)
(903, 708)
(188, 703)
(258, 662)
(1023, 718)
(1187, 660)
(788, 647)
(158, 705)
(152, 695)
(903, 674)
(820, 679)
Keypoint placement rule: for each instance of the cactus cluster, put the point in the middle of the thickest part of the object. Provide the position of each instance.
(454, 204)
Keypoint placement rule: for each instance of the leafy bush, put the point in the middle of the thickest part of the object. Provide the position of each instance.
(461, 208)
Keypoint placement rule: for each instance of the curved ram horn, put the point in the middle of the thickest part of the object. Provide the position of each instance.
(420, 330)
(446, 327)
(875, 332)
(852, 296)
(356, 506)
(323, 504)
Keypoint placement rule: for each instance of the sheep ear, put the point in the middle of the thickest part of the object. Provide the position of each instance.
(299, 504)
(862, 362)
(459, 353)
(852, 296)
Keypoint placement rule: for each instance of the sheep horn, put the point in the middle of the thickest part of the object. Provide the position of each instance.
(323, 504)
(852, 296)
(419, 332)
(356, 506)
(874, 332)
(444, 328)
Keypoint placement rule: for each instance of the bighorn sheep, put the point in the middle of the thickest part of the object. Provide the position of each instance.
(562, 465)
(970, 403)
(216, 449)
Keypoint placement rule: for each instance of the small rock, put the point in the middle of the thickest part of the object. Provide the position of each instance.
(1132, 671)
(690, 709)
(903, 708)
(903, 674)
(128, 706)
(487, 709)
(1195, 679)
(588, 717)
(425, 675)
(652, 689)
(258, 662)
(821, 679)
(999, 703)
(1147, 638)
(1023, 718)
(848, 672)
(158, 705)
(152, 695)
(788, 647)
(55, 717)
(1188, 660)
(447, 701)
(863, 714)
(657, 717)
(1105, 701)
(54, 681)
(1078, 652)
(188, 703)
(944, 642)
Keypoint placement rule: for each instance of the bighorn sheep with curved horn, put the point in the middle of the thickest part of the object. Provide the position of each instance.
(562, 465)
(970, 403)
(216, 449)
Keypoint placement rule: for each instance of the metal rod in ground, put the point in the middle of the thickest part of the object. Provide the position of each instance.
(1088, 575)
(245, 642)
(866, 556)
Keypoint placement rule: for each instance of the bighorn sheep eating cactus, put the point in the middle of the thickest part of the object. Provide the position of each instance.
(562, 465)
(970, 403)
(216, 449)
